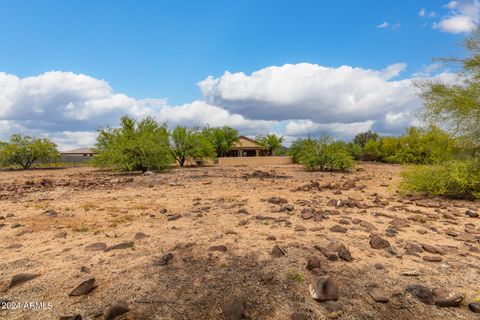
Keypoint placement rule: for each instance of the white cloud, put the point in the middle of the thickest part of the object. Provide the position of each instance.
(463, 17)
(383, 25)
(309, 91)
(293, 100)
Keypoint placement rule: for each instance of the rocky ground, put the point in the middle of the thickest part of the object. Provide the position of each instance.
(233, 243)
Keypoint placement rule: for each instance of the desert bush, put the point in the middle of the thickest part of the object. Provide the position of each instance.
(221, 138)
(270, 143)
(455, 179)
(297, 147)
(325, 154)
(190, 144)
(133, 146)
(361, 139)
(24, 151)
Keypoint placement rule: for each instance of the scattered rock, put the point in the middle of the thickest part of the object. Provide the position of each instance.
(378, 296)
(379, 266)
(174, 217)
(22, 278)
(323, 289)
(474, 307)
(433, 249)
(120, 246)
(277, 200)
(220, 248)
(421, 293)
(163, 261)
(140, 236)
(452, 232)
(338, 228)
(83, 288)
(271, 238)
(432, 258)
(97, 246)
(447, 299)
(278, 251)
(84, 269)
(412, 248)
(377, 242)
(471, 214)
(71, 317)
(234, 310)
(313, 263)
(51, 213)
(116, 309)
(411, 273)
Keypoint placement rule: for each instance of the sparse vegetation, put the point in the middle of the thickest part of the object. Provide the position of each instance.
(270, 143)
(324, 154)
(25, 151)
(221, 138)
(190, 144)
(134, 145)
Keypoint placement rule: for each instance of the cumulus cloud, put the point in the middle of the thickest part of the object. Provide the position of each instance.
(463, 17)
(426, 14)
(293, 100)
(309, 91)
(383, 25)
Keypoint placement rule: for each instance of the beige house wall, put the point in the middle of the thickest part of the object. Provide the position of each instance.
(252, 161)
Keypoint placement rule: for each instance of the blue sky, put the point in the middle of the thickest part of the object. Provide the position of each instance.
(153, 50)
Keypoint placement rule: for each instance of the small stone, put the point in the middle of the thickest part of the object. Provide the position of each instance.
(299, 316)
(379, 266)
(271, 238)
(116, 309)
(411, 273)
(120, 246)
(391, 232)
(174, 217)
(51, 213)
(433, 249)
(140, 236)
(338, 228)
(452, 232)
(15, 225)
(432, 258)
(421, 293)
(471, 214)
(278, 251)
(22, 278)
(332, 256)
(110, 234)
(84, 269)
(220, 248)
(83, 288)
(378, 296)
(412, 248)
(277, 200)
(97, 246)
(234, 310)
(313, 263)
(163, 261)
(71, 317)
(377, 242)
(323, 289)
(474, 307)
(446, 299)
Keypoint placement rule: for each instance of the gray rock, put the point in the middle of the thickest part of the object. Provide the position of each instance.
(323, 288)
(421, 293)
(378, 296)
(220, 248)
(278, 251)
(474, 307)
(97, 246)
(22, 278)
(338, 228)
(120, 246)
(313, 263)
(115, 310)
(377, 242)
(234, 310)
(446, 299)
(83, 288)
(163, 261)
(140, 236)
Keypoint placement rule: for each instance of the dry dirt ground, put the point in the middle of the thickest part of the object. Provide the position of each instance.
(220, 225)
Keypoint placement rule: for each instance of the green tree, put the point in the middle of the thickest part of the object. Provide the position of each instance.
(457, 106)
(270, 143)
(221, 138)
(362, 138)
(189, 144)
(134, 145)
(24, 151)
(299, 146)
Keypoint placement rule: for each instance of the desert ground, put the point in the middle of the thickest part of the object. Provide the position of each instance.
(232, 243)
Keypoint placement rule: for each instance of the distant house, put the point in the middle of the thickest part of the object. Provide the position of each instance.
(246, 147)
(77, 155)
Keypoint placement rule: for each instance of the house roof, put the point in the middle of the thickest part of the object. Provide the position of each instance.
(79, 150)
(251, 144)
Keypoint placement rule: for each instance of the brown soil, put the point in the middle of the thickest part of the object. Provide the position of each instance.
(228, 206)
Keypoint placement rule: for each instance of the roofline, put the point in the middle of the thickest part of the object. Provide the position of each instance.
(247, 138)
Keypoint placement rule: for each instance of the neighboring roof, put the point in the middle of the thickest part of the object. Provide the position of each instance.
(79, 150)
(251, 144)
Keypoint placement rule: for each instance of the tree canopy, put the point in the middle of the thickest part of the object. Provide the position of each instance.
(221, 138)
(270, 143)
(24, 151)
(189, 144)
(134, 145)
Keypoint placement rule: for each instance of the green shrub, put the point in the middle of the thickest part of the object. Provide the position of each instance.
(325, 155)
(455, 179)
(134, 146)
(297, 148)
(24, 151)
